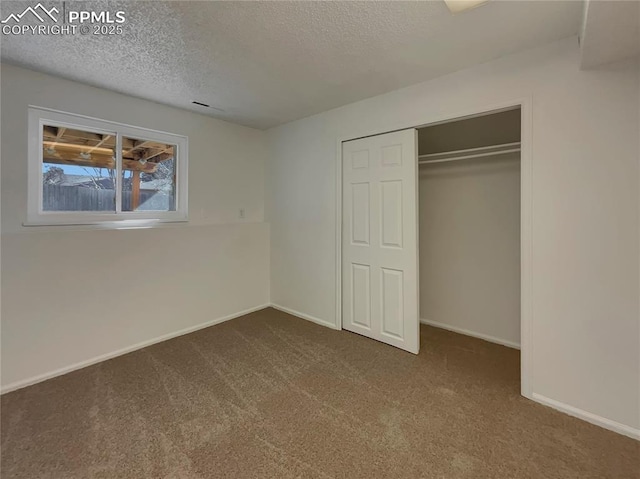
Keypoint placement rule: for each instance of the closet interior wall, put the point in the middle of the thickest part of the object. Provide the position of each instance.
(469, 215)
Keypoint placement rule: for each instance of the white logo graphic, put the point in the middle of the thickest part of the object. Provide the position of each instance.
(34, 11)
(40, 20)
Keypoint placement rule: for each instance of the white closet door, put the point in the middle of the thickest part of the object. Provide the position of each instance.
(379, 239)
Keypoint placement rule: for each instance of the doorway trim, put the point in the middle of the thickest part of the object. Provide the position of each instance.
(526, 217)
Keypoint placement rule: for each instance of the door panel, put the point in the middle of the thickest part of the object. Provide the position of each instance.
(392, 304)
(361, 291)
(360, 213)
(391, 209)
(379, 244)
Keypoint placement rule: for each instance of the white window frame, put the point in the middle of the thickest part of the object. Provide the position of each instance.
(39, 117)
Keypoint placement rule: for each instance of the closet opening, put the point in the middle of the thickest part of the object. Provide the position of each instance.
(434, 229)
(469, 195)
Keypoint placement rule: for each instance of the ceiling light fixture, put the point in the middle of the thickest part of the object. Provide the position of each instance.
(457, 6)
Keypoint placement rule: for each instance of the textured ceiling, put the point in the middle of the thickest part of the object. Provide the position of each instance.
(267, 63)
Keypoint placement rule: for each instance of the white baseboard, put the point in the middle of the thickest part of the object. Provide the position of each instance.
(313, 319)
(565, 408)
(562, 407)
(609, 424)
(103, 357)
(467, 332)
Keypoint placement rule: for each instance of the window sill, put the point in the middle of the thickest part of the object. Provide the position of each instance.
(107, 225)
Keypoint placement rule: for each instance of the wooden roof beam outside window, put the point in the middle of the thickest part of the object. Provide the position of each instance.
(93, 160)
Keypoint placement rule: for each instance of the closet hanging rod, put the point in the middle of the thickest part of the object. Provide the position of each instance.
(472, 150)
(469, 153)
(468, 157)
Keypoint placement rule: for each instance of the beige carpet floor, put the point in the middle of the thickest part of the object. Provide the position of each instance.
(269, 395)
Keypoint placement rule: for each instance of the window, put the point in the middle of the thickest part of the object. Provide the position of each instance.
(88, 171)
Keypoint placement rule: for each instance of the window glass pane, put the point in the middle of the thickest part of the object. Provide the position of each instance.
(148, 175)
(78, 170)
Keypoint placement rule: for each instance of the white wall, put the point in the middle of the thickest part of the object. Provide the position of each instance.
(470, 246)
(72, 294)
(585, 213)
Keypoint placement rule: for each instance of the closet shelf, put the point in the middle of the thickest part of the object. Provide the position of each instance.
(469, 153)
